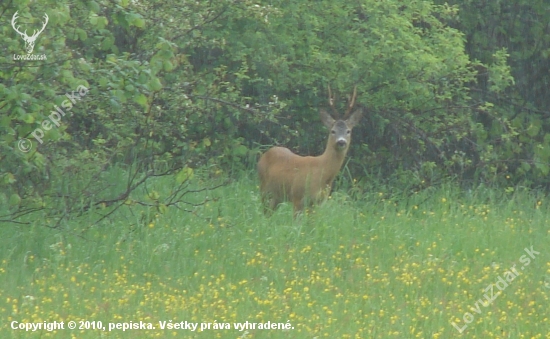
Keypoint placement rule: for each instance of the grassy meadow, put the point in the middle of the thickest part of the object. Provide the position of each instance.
(378, 267)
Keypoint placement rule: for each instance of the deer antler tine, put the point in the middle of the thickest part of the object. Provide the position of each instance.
(46, 18)
(352, 101)
(331, 100)
(14, 22)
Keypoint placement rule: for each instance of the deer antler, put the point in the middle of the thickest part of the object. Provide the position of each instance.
(331, 100)
(35, 33)
(13, 23)
(46, 18)
(351, 102)
(29, 40)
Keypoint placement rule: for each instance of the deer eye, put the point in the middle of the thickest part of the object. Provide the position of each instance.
(348, 131)
(333, 132)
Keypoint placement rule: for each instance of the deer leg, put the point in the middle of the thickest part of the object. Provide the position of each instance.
(298, 206)
(270, 204)
(273, 204)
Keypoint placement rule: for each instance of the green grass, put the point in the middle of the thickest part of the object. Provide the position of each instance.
(378, 267)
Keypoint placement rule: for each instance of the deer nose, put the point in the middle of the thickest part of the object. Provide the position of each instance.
(341, 143)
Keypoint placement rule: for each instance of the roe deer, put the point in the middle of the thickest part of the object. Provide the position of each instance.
(285, 176)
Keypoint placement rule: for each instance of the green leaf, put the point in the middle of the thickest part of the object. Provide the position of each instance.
(542, 167)
(103, 81)
(28, 118)
(9, 178)
(82, 35)
(142, 78)
(93, 6)
(185, 174)
(168, 66)
(139, 22)
(141, 99)
(102, 22)
(5, 121)
(107, 43)
(15, 200)
(155, 84)
(240, 150)
(121, 95)
(533, 130)
(153, 195)
(136, 19)
(162, 208)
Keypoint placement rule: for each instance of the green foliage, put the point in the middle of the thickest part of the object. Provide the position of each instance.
(149, 98)
(512, 39)
(204, 83)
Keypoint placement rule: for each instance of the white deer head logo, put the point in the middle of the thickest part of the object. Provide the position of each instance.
(29, 40)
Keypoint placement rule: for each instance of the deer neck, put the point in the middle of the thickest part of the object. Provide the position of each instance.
(332, 160)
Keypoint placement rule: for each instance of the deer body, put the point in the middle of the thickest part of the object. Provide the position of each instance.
(285, 176)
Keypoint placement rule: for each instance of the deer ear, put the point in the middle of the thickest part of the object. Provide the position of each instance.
(354, 118)
(327, 120)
